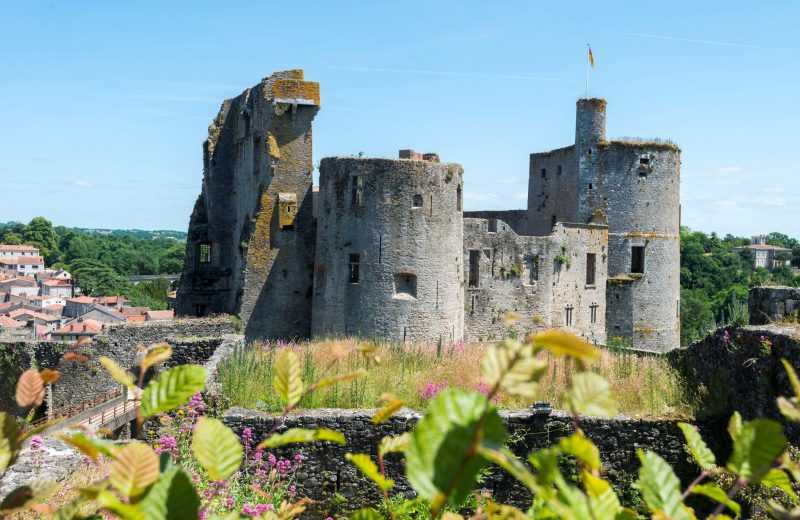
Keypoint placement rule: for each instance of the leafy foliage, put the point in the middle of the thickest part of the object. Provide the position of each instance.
(217, 448)
(172, 388)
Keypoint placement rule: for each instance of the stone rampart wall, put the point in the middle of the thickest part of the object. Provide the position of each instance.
(193, 340)
(769, 304)
(325, 470)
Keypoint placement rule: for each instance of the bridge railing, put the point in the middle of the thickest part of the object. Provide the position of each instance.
(66, 412)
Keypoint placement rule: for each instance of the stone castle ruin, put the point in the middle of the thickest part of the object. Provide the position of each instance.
(384, 249)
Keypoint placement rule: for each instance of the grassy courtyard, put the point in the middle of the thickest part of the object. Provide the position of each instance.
(645, 386)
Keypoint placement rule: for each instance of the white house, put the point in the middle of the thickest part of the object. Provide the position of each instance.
(62, 288)
(17, 251)
(25, 266)
(765, 254)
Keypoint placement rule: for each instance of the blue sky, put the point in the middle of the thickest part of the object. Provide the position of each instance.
(105, 104)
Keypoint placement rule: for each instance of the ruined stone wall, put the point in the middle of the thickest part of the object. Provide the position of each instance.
(740, 369)
(406, 230)
(516, 219)
(770, 304)
(325, 471)
(193, 340)
(259, 147)
(552, 193)
(523, 274)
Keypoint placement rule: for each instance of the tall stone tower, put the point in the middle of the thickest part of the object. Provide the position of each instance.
(634, 187)
(389, 249)
(250, 249)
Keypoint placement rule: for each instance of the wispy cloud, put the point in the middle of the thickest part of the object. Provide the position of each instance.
(82, 184)
(452, 73)
(710, 42)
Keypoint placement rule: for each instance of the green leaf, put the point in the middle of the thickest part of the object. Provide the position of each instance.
(546, 463)
(603, 502)
(793, 379)
(217, 448)
(92, 447)
(293, 435)
(366, 514)
(396, 444)
(735, 425)
(788, 408)
(288, 382)
(155, 353)
(9, 441)
(513, 366)
(370, 470)
(716, 493)
(779, 479)
(660, 488)
(504, 458)
(109, 502)
(26, 495)
(119, 374)
(171, 497)
(590, 394)
(581, 448)
(441, 460)
(757, 445)
(392, 405)
(341, 378)
(563, 343)
(172, 388)
(702, 454)
(135, 468)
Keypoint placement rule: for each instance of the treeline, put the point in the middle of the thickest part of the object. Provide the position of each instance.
(100, 260)
(714, 278)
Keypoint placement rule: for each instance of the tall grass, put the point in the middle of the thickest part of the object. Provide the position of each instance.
(642, 385)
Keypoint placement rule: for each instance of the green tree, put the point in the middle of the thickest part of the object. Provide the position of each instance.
(40, 233)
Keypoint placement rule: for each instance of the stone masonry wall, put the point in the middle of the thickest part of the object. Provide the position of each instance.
(521, 274)
(194, 341)
(739, 369)
(769, 304)
(400, 222)
(325, 470)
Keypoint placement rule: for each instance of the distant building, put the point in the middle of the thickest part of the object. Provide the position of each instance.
(79, 306)
(159, 315)
(25, 266)
(766, 255)
(17, 251)
(58, 287)
(76, 329)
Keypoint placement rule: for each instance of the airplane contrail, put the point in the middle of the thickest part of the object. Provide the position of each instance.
(710, 42)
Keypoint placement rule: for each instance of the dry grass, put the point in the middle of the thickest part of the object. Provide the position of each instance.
(643, 385)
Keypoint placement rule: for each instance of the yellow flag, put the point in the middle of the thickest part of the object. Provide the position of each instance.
(591, 57)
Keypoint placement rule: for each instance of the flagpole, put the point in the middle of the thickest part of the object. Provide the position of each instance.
(587, 71)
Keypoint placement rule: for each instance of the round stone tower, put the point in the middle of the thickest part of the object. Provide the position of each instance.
(389, 249)
(634, 185)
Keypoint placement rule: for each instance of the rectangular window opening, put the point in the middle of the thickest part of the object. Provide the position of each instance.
(354, 263)
(205, 253)
(568, 315)
(558, 170)
(637, 259)
(544, 173)
(591, 262)
(356, 190)
(474, 267)
(593, 313)
(553, 221)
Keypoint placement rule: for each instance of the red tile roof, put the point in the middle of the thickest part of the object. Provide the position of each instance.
(57, 282)
(26, 312)
(160, 315)
(11, 247)
(135, 318)
(81, 299)
(80, 326)
(9, 323)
